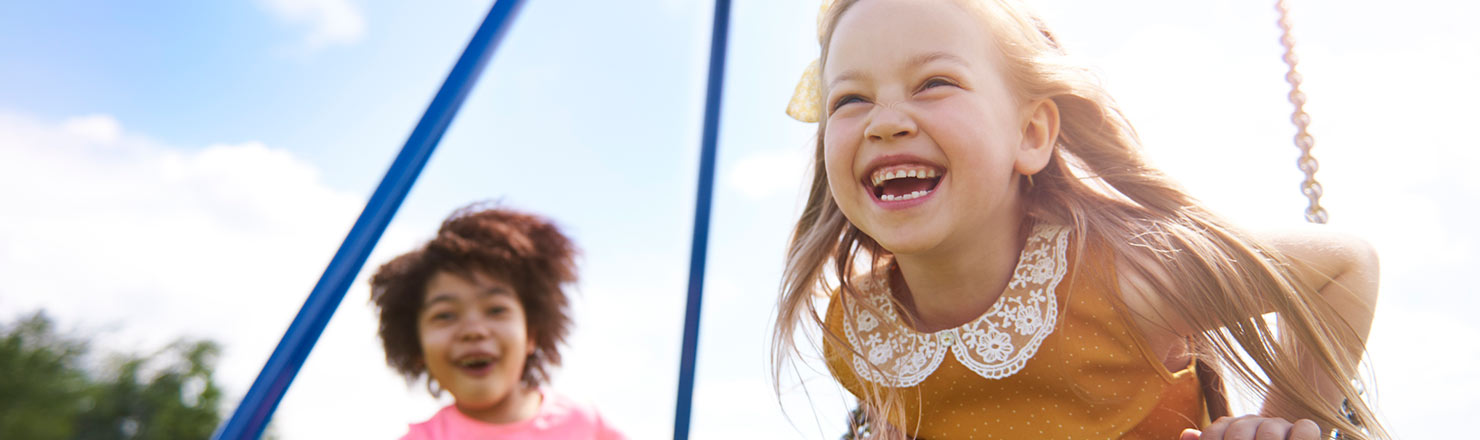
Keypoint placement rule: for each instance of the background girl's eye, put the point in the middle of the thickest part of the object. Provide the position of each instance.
(497, 310)
(443, 316)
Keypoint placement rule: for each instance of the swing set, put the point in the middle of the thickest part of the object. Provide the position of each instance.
(251, 416)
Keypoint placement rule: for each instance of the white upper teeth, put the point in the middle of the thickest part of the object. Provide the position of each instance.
(919, 173)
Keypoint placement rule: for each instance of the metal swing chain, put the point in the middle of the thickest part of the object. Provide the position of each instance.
(1303, 140)
(1307, 163)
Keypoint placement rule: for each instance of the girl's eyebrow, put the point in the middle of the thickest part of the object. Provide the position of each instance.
(929, 57)
(847, 75)
(496, 290)
(448, 297)
(914, 61)
(439, 297)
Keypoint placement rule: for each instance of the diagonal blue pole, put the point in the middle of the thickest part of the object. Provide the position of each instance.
(256, 408)
(700, 248)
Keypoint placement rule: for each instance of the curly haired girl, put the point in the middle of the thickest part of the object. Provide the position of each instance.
(480, 311)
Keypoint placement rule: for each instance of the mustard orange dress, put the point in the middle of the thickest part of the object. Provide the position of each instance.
(1056, 356)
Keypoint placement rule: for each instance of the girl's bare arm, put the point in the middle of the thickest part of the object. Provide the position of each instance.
(1344, 270)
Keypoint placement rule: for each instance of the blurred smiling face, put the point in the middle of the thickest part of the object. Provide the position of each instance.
(474, 339)
(922, 135)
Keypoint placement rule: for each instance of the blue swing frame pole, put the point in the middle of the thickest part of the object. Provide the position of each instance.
(256, 408)
(699, 251)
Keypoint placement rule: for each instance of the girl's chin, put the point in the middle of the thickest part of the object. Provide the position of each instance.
(480, 399)
(905, 244)
(482, 396)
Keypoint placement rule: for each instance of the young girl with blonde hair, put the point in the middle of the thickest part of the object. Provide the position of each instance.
(999, 261)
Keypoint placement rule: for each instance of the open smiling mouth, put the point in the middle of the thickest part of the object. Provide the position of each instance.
(904, 182)
(475, 364)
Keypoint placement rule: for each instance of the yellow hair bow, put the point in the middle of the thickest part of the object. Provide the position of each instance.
(806, 100)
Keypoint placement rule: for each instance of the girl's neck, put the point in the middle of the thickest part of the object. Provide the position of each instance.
(521, 404)
(958, 283)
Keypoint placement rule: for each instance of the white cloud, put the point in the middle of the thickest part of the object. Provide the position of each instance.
(140, 243)
(102, 129)
(330, 22)
(766, 174)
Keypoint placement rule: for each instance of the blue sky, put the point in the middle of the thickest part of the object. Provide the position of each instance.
(187, 168)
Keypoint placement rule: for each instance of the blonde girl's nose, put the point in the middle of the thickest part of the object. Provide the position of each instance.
(888, 123)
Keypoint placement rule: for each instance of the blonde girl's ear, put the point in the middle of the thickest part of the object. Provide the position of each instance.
(1040, 134)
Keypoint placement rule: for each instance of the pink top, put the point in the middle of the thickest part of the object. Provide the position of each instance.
(558, 418)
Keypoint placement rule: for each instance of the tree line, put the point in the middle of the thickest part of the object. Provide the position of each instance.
(54, 386)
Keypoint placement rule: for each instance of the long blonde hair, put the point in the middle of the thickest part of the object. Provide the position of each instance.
(1099, 184)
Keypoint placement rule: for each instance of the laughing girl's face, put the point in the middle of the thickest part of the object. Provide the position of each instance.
(474, 340)
(922, 135)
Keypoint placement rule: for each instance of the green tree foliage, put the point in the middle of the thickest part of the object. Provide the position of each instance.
(47, 392)
(41, 384)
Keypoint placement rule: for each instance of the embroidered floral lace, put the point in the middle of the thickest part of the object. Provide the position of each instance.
(994, 345)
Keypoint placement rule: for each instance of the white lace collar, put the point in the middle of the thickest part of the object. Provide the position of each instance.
(995, 345)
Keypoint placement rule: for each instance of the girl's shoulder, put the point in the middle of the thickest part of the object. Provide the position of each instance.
(571, 418)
